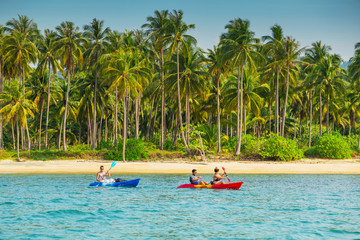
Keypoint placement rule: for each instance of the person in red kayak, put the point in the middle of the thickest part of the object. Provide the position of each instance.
(217, 177)
(195, 180)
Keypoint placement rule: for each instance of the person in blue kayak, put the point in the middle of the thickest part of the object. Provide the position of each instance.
(101, 176)
(196, 180)
(217, 177)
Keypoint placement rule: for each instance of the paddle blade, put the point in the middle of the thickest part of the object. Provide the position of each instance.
(223, 168)
(113, 164)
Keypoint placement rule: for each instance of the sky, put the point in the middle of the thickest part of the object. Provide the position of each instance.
(334, 22)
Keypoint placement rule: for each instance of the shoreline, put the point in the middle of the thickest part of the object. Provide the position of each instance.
(304, 166)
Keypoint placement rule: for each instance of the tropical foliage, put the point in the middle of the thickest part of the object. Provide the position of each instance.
(124, 91)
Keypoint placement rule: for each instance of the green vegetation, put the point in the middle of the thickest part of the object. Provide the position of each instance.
(332, 146)
(280, 148)
(134, 150)
(152, 93)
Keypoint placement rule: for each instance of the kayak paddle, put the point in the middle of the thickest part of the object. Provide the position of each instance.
(113, 165)
(226, 174)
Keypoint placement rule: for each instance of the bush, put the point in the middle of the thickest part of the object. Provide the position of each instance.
(79, 147)
(310, 152)
(333, 146)
(168, 145)
(280, 148)
(105, 145)
(230, 144)
(134, 150)
(352, 141)
(250, 144)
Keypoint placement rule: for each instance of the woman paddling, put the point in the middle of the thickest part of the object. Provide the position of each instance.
(217, 177)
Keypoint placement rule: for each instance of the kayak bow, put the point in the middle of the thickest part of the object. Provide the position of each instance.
(130, 183)
(235, 186)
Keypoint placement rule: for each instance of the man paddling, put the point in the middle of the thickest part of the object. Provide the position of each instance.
(101, 176)
(195, 180)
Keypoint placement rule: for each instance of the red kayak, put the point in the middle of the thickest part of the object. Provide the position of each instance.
(235, 186)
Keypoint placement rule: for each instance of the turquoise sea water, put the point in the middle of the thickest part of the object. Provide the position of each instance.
(266, 207)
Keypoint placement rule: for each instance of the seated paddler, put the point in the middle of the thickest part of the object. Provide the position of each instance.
(196, 180)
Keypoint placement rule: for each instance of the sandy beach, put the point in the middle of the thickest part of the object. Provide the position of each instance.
(304, 166)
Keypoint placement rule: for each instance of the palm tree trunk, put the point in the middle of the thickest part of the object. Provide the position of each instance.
(101, 121)
(154, 125)
(351, 121)
(28, 136)
(149, 121)
(93, 142)
(162, 99)
(187, 117)
(179, 99)
(41, 114)
(285, 101)
(79, 140)
(61, 128)
(13, 136)
(1, 91)
(106, 125)
(294, 128)
(320, 113)
(66, 110)
(239, 109)
(17, 139)
(269, 107)
(137, 101)
(124, 126)
(89, 125)
(327, 112)
(359, 139)
(116, 117)
(244, 116)
(231, 127)
(175, 131)
(277, 102)
(227, 125)
(310, 118)
(218, 111)
(47, 110)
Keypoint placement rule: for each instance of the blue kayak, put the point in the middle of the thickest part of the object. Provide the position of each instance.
(130, 183)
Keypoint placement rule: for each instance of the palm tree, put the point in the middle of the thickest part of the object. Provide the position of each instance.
(217, 68)
(313, 57)
(69, 47)
(23, 25)
(251, 92)
(177, 29)
(96, 35)
(2, 37)
(329, 77)
(124, 75)
(60, 88)
(274, 50)
(16, 108)
(157, 28)
(20, 52)
(38, 88)
(48, 60)
(354, 72)
(291, 53)
(193, 78)
(239, 46)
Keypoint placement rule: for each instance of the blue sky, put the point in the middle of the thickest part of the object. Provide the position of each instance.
(334, 22)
